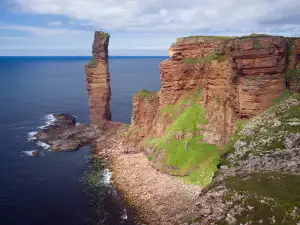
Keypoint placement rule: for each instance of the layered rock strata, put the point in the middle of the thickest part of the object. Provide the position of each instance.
(98, 80)
(209, 84)
(293, 70)
(239, 78)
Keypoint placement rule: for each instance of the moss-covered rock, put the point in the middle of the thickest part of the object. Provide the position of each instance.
(181, 150)
(143, 94)
(258, 179)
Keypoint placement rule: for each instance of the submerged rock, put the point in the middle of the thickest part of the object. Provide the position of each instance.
(36, 153)
(65, 135)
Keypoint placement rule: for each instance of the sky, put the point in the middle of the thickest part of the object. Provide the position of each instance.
(137, 27)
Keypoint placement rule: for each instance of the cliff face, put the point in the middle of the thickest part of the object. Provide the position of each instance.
(238, 78)
(293, 70)
(98, 80)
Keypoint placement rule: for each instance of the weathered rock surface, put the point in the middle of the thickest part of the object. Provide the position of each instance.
(257, 179)
(65, 135)
(293, 71)
(98, 80)
(239, 78)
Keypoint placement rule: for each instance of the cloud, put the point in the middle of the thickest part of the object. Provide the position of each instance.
(55, 23)
(174, 15)
(39, 31)
(10, 38)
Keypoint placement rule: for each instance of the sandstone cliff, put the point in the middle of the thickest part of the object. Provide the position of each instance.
(98, 80)
(226, 118)
(258, 177)
(293, 60)
(207, 85)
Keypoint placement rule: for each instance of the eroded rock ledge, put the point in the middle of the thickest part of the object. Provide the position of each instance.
(65, 135)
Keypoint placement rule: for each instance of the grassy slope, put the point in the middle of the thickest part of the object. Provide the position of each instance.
(268, 131)
(187, 156)
(268, 197)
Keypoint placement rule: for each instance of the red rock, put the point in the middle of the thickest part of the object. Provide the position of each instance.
(98, 80)
(294, 65)
(249, 76)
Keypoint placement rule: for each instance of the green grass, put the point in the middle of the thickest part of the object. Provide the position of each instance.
(190, 156)
(288, 53)
(291, 75)
(92, 62)
(256, 44)
(259, 35)
(226, 37)
(286, 93)
(150, 158)
(238, 128)
(107, 35)
(265, 130)
(281, 191)
(143, 94)
(191, 60)
(207, 59)
(217, 37)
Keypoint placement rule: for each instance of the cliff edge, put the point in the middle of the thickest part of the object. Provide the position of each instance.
(225, 123)
(207, 86)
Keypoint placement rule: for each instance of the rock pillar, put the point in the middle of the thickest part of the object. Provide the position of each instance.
(98, 80)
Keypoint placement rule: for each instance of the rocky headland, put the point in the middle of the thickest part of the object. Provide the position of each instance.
(219, 143)
(64, 134)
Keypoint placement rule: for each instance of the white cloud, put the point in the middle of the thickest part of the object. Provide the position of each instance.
(39, 31)
(10, 38)
(174, 15)
(55, 23)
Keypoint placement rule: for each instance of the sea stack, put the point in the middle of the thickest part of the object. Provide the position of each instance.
(98, 80)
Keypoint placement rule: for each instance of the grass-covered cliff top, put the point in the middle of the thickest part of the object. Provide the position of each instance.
(145, 94)
(228, 38)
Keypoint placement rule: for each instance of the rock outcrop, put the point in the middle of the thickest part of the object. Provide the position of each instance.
(293, 70)
(98, 80)
(238, 77)
(257, 180)
(65, 135)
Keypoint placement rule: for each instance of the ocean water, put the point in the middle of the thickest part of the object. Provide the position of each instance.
(60, 188)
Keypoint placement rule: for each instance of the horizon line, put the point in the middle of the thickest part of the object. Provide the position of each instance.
(87, 56)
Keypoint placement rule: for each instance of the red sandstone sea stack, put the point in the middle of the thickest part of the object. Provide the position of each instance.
(98, 80)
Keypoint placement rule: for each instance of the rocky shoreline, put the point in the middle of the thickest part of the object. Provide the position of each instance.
(218, 144)
(64, 134)
(157, 198)
(240, 192)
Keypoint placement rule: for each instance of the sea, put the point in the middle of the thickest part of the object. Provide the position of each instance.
(61, 188)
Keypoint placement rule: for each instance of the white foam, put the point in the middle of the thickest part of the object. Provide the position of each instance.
(124, 215)
(29, 153)
(31, 136)
(78, 124)
(50, 119)
(43, 145)
(106, 177)
(43, 127)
